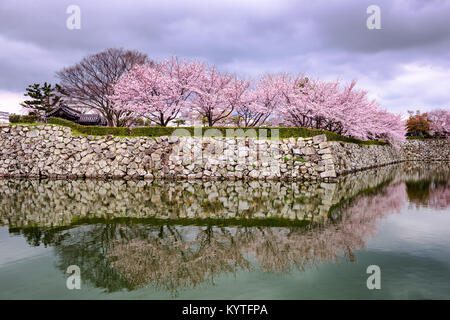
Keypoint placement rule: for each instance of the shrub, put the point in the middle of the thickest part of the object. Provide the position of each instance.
(283, 132)
(17, 118)
(91, 130)
(157, 131)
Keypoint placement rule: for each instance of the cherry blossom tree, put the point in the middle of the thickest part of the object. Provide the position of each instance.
(329, 106)
(362, 118)
(164, 91)
(439, 121)
(306, 103)
(386, 126)
(218, 95)
(158, 92)
(259, 104)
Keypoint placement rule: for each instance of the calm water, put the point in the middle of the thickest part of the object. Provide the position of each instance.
(229, 240)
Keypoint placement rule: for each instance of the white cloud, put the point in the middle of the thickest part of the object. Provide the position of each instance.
(415, 86)
(10, 102)
(404, 65)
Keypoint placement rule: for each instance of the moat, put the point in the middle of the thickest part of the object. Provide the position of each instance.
(229, 239)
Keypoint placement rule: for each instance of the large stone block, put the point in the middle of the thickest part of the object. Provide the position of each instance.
(320, 138)
(328, 174)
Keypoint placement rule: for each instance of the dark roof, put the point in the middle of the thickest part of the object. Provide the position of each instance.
(95, 119)
(65, 110)
(74, 115)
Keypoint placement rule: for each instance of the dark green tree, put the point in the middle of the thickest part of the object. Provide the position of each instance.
(44, 98)
(179, 122)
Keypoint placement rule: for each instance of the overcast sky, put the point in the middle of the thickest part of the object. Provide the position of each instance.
(405, 65)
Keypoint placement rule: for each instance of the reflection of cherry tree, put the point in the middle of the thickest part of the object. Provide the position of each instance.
(440, 196)
(363, 214)
(280, 249)
(186, 257)
(428, 185)
(432, 194)
(172, 261)
(134, 253)
(130, 255)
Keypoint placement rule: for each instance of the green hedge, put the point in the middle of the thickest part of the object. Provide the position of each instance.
(283, 132)
(91, 130)
(17, 118)
(158, 131)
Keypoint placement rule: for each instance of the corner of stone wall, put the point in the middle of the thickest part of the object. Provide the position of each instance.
(326, 168)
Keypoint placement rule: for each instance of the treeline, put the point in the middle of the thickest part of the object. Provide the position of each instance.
(433, 124)
(129, 89)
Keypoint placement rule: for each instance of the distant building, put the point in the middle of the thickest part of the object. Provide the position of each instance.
(4, 117)
(68, 113)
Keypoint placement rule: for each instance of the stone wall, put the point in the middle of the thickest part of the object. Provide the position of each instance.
(55, 152)
(348, 157)
(435, 149)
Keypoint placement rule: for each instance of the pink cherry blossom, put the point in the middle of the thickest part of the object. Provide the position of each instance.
(439, 120)
(217, 96)
(260, 104)
(158, 92)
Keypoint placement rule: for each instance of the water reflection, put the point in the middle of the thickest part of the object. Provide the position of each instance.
(178, 235)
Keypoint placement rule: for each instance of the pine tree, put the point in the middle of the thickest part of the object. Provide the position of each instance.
(44, 98)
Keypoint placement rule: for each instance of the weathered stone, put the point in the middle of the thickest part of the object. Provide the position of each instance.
(102, 164)
(323, 145)
(254, 174)
(327, 156)
(110, 155)
(32, 134)
(55, 152)
(328, 174)
(324, 151)
(320, 138)
(308, 151)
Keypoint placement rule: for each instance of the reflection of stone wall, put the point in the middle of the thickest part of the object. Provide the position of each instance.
(124, 254)
(427, 186)
(53, 151)
(419, 170)
(118, 256)
(60, 202)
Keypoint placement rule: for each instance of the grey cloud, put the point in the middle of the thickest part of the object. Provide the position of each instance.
(323, 38)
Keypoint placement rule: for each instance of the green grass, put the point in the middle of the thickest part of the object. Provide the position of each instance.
(220, 222)
(283, 132)
(33, 124)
